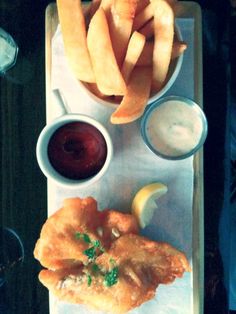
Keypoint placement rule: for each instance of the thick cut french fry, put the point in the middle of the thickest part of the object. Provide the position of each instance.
(144, 22)
(141, 5)
(136, 97)
(145, 58)
(133, 53)
(93, 7)
(163, 42)
(175, 4)
(108, 76)
(143, 17)
(106, 5)
(146, 55)
(178, 48)
(74, 37)
(172, 3)
(148, 29)
(89, 11)
(92, 87)
(120, 25)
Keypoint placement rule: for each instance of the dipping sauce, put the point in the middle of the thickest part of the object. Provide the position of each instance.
(174, 128)
(77, 150)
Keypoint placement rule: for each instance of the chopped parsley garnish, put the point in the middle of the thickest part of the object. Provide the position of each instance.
(95, 267)
(89, 280)
(78, 235)
(86, 238)
(83, 236)
(112, 261)
(97, 243)
(91, 253)
(102, 249)
(111, 277)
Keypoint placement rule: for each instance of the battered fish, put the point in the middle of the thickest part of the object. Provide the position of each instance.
(120, 279)
(67, 233)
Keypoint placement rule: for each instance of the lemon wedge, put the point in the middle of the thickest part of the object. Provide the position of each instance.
(143, 204)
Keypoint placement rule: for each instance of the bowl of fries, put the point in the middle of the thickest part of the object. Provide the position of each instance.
(124, 54)
(113, 101)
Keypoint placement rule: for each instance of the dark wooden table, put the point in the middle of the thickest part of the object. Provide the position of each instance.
(23, 187)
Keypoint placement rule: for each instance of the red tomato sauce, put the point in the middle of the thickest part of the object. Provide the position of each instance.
(77, 150)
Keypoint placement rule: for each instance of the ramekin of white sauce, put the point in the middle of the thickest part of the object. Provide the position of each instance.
(174, 127)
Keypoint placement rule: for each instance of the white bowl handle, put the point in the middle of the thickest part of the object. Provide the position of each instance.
(60, 102)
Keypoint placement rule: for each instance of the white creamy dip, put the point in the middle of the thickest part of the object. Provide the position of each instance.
(174, 128)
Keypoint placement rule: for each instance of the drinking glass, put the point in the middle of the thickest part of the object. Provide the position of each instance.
(11, 252)
(8, 51)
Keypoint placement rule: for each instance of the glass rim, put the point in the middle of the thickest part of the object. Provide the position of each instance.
(5, 35)
(158, 103)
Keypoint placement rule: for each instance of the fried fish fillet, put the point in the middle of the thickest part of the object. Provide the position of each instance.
(146, 261)
(58, 247)
(140, 264)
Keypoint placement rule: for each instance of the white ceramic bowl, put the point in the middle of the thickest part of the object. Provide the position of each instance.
(42, 151)
(172, 75)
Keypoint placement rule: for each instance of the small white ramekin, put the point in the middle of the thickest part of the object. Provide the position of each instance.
(42, 151)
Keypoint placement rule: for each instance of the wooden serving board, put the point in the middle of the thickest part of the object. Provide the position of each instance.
(187, 10)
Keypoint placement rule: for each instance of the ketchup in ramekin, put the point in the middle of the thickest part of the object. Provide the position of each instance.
(77, 150)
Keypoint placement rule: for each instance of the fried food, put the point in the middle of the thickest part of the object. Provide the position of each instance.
(160, 260)
(125, 276)
(145, 58)
(143, 17)
(94, 5)
(99, 260)
(74, 38)
(141, 5)
(148, 29)
(163, 41)
(59, 246)
(106, 5)
(108, 76)
(104, 42)
(133, 53)
(135, 100)
(120, 26)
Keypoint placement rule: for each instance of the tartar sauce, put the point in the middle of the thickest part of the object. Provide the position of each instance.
(174, 128)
